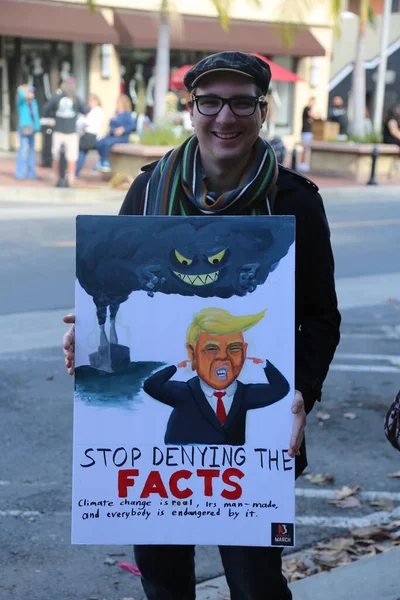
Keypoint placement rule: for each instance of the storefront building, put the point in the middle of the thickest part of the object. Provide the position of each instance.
(114, 51)
(344, 52)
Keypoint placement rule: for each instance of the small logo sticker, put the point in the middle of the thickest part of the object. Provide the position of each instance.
(282, 534)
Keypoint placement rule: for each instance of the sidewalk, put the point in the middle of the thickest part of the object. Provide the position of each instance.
(375, 578)
(91, 180)
(46, 177)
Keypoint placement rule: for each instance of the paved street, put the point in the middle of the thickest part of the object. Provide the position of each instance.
(37, 275)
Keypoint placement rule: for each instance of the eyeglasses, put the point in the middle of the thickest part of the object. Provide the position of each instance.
(241, 106)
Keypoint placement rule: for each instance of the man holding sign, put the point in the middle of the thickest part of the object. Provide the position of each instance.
(227, 169)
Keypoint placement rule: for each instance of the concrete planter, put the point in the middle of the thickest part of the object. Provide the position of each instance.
(349, 160)
(130, 158)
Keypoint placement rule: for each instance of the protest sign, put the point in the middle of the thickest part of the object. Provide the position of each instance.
(184, 381)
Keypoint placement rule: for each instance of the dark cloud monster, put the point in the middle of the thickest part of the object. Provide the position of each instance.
(190, 256)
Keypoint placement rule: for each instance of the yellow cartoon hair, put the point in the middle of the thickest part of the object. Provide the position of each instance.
(218, 321)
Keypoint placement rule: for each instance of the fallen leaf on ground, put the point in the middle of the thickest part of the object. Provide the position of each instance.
(299, 567)
(382, 504)
(347, 491)
(329, 559)
(347, 502)
(319, 478)
(50, 378)
(397, 474)
(371, 532)
(110, 561)
(323, 416)
(337, 544)
(10, 587)
(350, 415)
(381, 548)
(326, 555)
(394, 524)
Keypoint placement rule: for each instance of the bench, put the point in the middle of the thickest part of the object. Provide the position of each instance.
(349, 160)
(130, 158)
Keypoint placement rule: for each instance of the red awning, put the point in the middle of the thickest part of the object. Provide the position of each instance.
(279, 73)
(139, 29)
(50, 21)
(176, 79)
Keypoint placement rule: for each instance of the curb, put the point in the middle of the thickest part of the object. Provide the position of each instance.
(94, 196)
(371, 578)
(362, 193)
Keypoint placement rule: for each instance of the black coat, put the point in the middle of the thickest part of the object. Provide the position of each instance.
(317, 315)
(193, 421)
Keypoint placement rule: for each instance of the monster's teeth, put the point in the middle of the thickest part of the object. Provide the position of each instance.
(198, 280)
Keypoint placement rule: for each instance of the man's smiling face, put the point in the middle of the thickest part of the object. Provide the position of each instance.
(226, 136)
(218, 359)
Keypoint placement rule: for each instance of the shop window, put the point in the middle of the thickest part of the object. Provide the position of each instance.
(285, 95)
(106, 54)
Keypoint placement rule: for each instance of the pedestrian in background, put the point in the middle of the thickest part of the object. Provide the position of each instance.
(65, 107)
(89, 128)
(28, 125)
(121, 126)
(338, 114)
(306, 133)
(391, 127)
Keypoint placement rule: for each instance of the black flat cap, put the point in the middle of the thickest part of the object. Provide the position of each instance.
(239, 62)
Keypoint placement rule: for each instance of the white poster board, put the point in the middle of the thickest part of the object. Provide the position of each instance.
(171, 312)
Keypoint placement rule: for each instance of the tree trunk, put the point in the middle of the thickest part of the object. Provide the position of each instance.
(381, 82)
(162, 69)
(358, 86)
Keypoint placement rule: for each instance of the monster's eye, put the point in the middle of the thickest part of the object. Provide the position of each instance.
(216, 258)
(182, 259)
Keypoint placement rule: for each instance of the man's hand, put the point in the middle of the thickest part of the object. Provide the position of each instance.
(118, 131)
(183, 364)
(299, 424)
(256, 361)
(69, 344)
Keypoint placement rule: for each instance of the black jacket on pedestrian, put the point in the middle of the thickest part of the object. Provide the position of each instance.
(317, 315)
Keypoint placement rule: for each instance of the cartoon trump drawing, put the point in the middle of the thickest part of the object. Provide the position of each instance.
(211, 407)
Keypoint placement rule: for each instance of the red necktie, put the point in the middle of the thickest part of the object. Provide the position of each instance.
(221, 412)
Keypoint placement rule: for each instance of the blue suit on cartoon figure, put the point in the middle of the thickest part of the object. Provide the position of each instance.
(211, 408)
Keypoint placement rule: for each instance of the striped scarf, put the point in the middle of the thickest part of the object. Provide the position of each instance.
(177, 185)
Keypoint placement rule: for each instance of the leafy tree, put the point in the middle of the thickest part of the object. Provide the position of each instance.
(169, 18)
